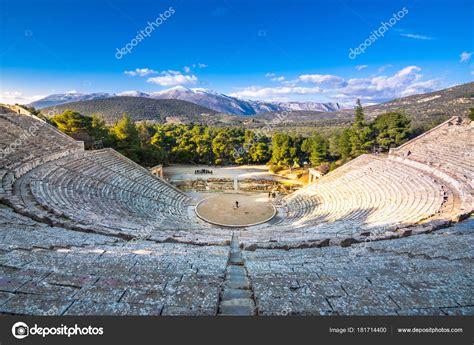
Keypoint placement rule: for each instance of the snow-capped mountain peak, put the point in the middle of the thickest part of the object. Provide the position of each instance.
(204, 97)
(133, 93)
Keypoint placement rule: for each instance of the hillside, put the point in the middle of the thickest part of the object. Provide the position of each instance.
(204, 97)
(423, 109)
(236, 106)
(138, 108)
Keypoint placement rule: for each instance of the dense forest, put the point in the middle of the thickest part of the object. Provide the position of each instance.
(152, 144)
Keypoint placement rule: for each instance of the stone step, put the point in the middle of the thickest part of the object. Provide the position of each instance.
(230, 294)
(236, 270)
(236, 261)
(236, 295)
(240, 302)
(236, 311)
(237, 306)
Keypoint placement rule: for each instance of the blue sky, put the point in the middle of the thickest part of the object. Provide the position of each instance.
(289, 50)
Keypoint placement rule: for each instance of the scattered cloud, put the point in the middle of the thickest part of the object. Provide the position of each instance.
(199, 65)
(18, 97)
(384, 68)
(173, 78)
(417, 36)
(320, 79)
(187, 69)
(142, 72)
(465, 56)
(280, 79)
(405, 82)
(361, 67)
(266, 92)
(274, 77)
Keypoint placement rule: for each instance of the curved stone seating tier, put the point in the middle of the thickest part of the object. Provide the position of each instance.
(54, 271)
(52, 180)
(447, 151)
(27, 142)
(49, 177)
(20, 232)
(428, 274)
(371, 197)
(26, 137)
(95, 192)
(103, 189)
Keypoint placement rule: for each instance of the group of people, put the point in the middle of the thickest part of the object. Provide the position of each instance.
(202, 172)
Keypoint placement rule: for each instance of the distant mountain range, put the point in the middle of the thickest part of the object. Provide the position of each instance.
(207, 98)
(62, 98)
(138, 108)
(422, 109)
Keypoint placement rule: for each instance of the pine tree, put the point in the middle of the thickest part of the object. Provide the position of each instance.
(361, 136)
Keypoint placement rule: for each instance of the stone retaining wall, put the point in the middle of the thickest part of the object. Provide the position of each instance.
(211, 184)
(227, 184)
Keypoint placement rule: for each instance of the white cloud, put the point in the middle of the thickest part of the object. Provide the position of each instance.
(384, 68)
(266, 92)
(187, 69)
(465, 56)
(173, 78)
(18, 97)
(361, 67)
(142, 72)
(274, 77)
(320, 78)
(420, 87)
(280, 79)
(199, 65)
(417, 37)
(407, 81)
(72, 91)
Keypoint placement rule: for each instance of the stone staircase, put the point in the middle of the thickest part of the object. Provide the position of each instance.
(236, 295)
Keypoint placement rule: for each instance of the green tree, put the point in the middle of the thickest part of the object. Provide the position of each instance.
(317, 148)
(391, 129)
(223, 147)
(126, 137)
(99, 130)
(361, 135)
(72, 122)
(344, 144)
(284, 152)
